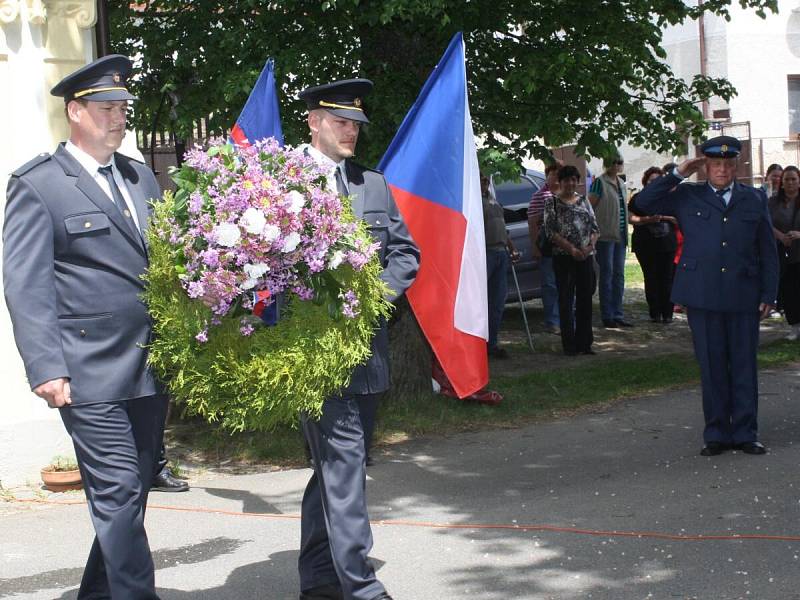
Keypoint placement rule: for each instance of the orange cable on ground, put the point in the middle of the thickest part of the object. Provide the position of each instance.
(501, 526)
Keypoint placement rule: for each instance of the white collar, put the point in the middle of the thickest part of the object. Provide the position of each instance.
(322, 159)
(86, 161)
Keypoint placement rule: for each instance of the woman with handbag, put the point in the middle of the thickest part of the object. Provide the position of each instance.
(571, 228)
(783, 208)
(654, 243)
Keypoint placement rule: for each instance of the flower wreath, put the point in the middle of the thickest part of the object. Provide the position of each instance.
(254, 235)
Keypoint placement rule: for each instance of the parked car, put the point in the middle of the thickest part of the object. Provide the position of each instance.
(514, 196)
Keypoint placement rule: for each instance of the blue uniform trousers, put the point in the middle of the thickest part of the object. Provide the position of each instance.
(725, 344)
(335, 532)
(117, 446)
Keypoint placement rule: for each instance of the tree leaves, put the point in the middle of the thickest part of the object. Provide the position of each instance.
(541, 74)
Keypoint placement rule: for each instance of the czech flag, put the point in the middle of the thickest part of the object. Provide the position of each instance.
(261, 116)
(260, 119)
(432, 168)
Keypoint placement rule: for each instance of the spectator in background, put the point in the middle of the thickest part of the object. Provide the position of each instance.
(535, 218)
(571, 227)
(669, 167)
(608, 199)
(498, 249)
(654, 243)
(783, 208)
(772, 181)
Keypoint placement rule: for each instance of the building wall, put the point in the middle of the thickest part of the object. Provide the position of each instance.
(756, 55)
(40, 42)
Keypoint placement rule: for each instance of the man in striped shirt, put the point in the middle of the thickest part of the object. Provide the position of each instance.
(548, 278)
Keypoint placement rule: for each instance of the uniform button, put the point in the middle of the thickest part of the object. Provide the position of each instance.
(724, 219)
(87, 224)
(724, 243)
(377, 222)
(723, 269)
(126, 212)
(83, 333)
(698, 213)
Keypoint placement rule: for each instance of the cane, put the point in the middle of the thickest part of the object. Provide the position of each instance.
(522, 307)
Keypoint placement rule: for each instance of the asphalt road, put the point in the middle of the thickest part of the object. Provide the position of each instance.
(614, 504)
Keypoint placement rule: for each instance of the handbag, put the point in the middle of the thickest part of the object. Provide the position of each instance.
(544, 244)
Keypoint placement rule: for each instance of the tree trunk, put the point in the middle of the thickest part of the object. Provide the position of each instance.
(410, 356)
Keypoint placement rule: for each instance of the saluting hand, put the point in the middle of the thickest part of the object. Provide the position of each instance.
(56, 392)
(691, 166)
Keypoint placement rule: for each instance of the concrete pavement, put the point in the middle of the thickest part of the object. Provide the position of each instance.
(611, 504)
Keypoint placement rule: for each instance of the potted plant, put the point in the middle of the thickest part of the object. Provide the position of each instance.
(62, 474)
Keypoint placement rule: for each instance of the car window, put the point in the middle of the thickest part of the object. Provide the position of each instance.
(511, 194)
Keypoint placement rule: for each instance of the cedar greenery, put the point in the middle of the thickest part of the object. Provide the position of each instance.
(266, 379)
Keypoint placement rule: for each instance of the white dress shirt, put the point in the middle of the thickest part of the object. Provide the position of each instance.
(328, 164)
(91, 166)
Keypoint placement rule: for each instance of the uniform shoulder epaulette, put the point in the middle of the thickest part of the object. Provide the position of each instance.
(31, 164)
(129, 157)
(363, 168)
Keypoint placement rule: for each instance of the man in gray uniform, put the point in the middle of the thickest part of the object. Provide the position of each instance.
(73, 251)
(336, 535)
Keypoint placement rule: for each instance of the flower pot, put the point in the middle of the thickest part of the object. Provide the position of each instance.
(61, 481)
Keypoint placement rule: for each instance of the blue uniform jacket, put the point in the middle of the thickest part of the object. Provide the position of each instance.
(71, 274)
(729, 261)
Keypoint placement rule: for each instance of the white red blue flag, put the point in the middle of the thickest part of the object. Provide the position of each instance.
(261, 115)
(432, 168)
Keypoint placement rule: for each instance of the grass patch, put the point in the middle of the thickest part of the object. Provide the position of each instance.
(529, 398)
(633, 273)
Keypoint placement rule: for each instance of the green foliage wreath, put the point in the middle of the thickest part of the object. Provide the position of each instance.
(265, 379)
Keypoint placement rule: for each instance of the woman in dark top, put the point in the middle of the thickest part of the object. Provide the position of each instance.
(783, 208)
(571, 227)
(654, 242)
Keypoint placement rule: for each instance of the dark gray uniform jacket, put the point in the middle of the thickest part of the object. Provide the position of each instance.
(373, 202)
(71, 270)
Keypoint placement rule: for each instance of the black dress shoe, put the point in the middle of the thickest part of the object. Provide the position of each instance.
(713, 449)
(610, 324)
(165, 481)
(667, 320)
(500, 353)
(752, 448)
(329, 591)
(623, 323)
(589, 351)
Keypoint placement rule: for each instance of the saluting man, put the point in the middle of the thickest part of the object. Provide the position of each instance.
(73, 252)
(727, 279)
(336, 537)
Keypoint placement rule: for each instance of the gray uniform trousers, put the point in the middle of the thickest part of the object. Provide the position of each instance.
(335, 532)
(117, 445)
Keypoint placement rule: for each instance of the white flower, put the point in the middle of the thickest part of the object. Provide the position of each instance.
(256, 270)
(249, 284)
(271, 232)
(336, 259)
(227, 234)
(291, 241)
(296, 201)
(253, 221)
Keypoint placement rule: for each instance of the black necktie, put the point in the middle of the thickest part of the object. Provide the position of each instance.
(721, 194)
(341, 185)
(119, 200)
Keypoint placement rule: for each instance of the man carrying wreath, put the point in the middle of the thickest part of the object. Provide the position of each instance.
(336, 537)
